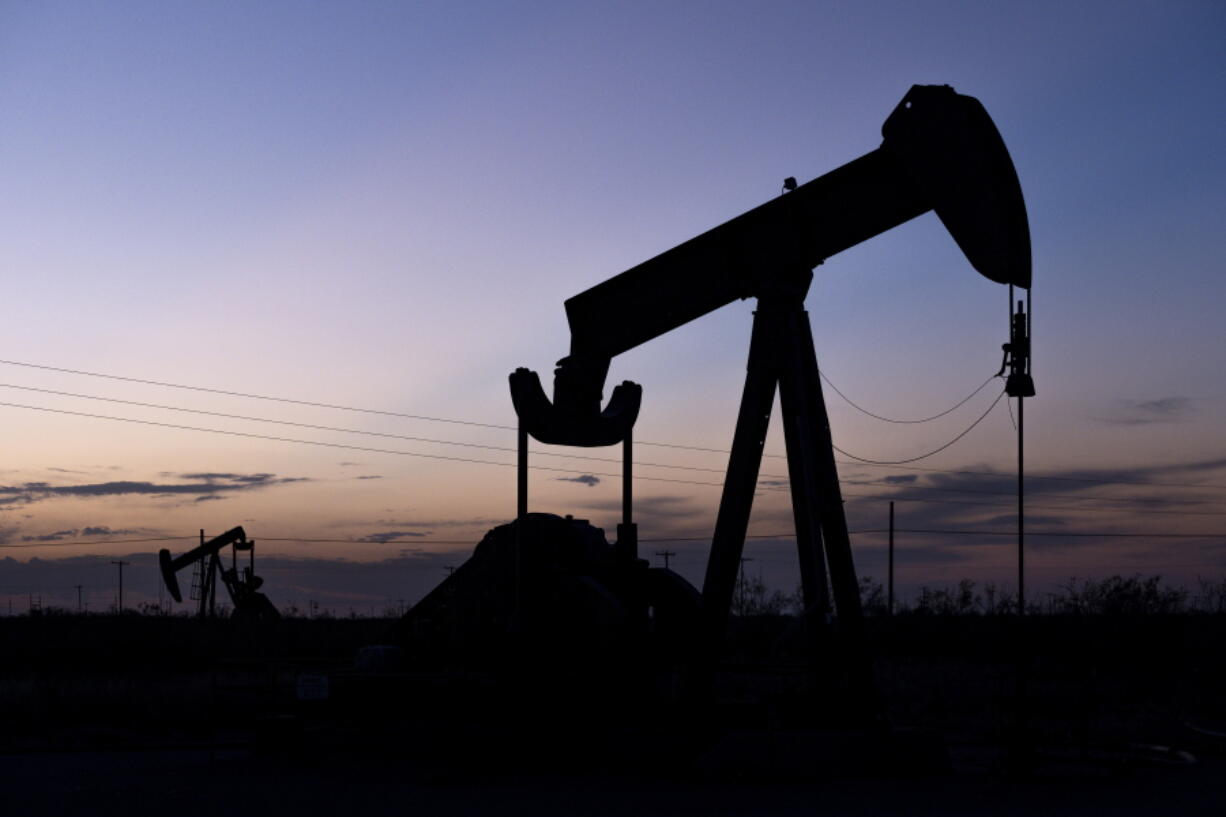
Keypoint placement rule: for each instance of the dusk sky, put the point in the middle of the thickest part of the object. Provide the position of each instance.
(383, 206)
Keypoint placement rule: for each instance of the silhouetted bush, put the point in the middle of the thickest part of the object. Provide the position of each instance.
(873, 597)
(1117, 595)
(960, 601)
(1210, 595)
(753, 598)
(1112, 596)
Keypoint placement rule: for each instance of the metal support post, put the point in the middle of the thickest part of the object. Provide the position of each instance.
(627, 531)
(521, 506)
(521, 519)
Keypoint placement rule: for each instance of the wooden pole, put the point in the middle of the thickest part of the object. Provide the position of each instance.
(891, 567)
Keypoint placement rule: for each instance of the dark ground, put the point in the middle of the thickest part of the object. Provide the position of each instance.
(124, 715)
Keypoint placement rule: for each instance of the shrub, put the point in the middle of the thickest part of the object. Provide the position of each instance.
(961, 601)
(873, 598)
(753, 598)
(1117, 595)
(1210, 595)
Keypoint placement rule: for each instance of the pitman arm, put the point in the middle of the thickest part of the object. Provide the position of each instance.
(940, 152)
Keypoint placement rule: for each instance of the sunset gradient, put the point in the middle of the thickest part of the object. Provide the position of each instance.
(383, 207)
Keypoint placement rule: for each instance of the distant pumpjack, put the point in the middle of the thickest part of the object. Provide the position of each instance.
(243, 586)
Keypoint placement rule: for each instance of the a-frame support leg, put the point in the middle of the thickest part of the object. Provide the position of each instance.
(781, 353)
(742, 480)
(817, 503)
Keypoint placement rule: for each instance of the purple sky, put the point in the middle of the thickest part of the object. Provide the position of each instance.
(384, 205)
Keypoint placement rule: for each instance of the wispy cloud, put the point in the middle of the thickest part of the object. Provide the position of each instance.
(57, 536)
(1145, 412)
(589, 480)
(76, 533)
(1068, 501)
(103, 530)
(658, 515)
(240, 479)
(384, 537)
(473, 522)
(200, 485)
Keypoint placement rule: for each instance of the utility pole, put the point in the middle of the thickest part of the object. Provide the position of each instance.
(667, 554)
(78, 597)
(1019, 384)
(1021, 516)
(120, 564)
(890, 601)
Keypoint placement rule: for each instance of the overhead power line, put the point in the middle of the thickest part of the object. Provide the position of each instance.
(507, 449)
(1098, 566)
(978, 492)
(342, 430)
(1069, 534)
(1042, 506)
(412, 540)
(930, 453)
(785, 535)
(340, 407)
(250, 396)
(866, 531)
(344, 446)
(863, 410)
(315, 403)
(227, 432)
(997, 474)
(898, 464)
(388, 435)
(436, 441)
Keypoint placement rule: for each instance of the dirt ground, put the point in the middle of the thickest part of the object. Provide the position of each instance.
(200, 782)
(112, 716)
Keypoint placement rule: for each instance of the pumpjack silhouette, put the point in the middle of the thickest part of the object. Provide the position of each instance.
(546, 592)
(242, 585)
